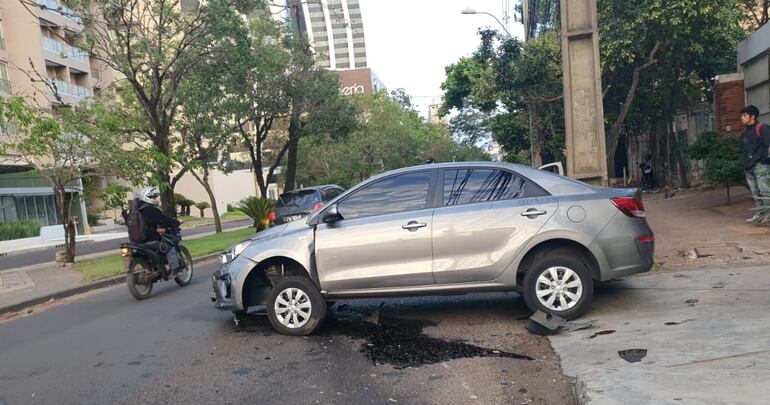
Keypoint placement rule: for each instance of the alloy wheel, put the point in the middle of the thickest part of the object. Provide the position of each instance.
(559, 288)
(293, 308)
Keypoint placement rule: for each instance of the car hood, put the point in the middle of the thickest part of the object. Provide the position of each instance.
(279, 230)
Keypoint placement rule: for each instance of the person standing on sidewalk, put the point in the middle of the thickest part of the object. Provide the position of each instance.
(755, 142)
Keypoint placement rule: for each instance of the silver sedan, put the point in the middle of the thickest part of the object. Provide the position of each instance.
(442, 229)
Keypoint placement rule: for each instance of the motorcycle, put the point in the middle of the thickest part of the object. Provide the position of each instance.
(147, 266)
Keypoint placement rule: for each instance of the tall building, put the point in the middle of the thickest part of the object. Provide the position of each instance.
(336, 32)
(34, 58)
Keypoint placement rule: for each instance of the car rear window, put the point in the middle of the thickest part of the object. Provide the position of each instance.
(302, 199)
(468, 186)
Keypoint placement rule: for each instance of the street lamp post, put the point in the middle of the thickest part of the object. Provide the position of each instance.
(473, 11)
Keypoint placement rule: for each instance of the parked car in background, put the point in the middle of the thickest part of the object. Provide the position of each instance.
(442, 229)
(297, 204)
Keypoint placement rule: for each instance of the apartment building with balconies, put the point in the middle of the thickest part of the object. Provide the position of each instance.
(38, 62)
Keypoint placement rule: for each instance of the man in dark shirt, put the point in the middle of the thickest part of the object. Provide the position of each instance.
(157, 225)
(755, 144)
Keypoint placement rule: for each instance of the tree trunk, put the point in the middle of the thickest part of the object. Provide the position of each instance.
(617, 126)
(681, 162)
(69, 224)
(295, 127)
(727, 187)
(206, 186)
(168, 205)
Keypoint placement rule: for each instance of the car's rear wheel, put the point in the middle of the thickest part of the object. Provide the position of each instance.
(559, 284)
(295, 306)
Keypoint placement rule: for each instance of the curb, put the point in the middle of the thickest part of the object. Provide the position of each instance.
(95, 285)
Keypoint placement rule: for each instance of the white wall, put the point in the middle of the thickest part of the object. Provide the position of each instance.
(228, 188)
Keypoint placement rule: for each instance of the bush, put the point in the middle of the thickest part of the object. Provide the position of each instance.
(26, 228)
(721, 154)
(258, 210)
(230, 208)
(93, 219)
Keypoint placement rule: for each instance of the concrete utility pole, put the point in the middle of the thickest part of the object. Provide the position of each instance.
(583, 109)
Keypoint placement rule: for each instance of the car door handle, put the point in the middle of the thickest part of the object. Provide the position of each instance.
(533, 212)
(413, 225)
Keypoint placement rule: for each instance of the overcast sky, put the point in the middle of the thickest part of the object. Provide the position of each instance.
(409, 42)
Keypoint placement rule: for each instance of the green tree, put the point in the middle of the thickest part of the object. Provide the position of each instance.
(258, 209)
(202, 206)
(519, 86)
(66, 146)
(720, 155)
(388, 137)
(153, 45)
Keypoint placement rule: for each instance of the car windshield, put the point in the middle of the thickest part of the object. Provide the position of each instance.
(302, 199)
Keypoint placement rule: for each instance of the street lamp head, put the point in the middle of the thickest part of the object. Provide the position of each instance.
(468, 11)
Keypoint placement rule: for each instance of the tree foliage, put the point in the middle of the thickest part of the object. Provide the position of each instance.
(388, 136)
(720, 154)
(66, 145)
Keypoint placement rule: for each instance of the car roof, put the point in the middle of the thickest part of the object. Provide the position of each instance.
(553, 183)
(314, 188)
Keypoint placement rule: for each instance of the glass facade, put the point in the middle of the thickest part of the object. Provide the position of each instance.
(40, 207)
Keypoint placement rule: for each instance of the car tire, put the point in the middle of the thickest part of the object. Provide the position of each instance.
(558, 284)
(295, 306)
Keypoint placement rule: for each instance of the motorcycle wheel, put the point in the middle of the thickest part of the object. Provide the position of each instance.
(185, 276)
(138, 279)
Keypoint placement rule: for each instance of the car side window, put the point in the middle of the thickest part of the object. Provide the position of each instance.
(332, 193)
(404, 192)
(468, 186)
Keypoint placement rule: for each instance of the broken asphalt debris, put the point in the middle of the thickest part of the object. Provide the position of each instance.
(691, 302)
(604, 332)
(543, 324)
(401, 343)
(678, 323)
(632, 355)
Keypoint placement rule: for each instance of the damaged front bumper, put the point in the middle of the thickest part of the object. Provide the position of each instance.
(225, 281)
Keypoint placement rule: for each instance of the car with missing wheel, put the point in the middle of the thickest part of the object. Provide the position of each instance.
(449, 228)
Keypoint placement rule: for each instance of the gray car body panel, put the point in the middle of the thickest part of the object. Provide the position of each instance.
(357, 265)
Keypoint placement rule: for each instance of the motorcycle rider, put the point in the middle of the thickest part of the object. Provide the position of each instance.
(157, 224)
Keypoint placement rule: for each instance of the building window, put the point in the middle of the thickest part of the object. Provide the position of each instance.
(2, 36)
(5, 83)
(40, 207)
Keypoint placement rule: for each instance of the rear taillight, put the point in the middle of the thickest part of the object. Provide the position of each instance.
(631, 206)
(646, 239)
(271, 216)
(318, 206)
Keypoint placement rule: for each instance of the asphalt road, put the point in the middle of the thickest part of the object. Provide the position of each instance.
(106, 347)
(82, 249)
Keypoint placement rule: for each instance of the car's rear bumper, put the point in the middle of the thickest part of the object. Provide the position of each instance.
(628, 245)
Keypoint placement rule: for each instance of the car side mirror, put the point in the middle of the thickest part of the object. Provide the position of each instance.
(331, 215)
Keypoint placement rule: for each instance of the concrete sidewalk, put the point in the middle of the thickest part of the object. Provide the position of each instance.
(31, 244)
(705, 332)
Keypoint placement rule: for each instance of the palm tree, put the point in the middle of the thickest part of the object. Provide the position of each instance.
(258, 209)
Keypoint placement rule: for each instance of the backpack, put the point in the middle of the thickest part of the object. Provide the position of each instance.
(137, 229)
(757, 128)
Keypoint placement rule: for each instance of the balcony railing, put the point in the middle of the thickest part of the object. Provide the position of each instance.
(55, 7)
(53, 45)
(78, 55)
(81, 92)
(5, 86)
(61, 86)
(72, 90)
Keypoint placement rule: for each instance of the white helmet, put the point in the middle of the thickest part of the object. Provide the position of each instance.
(150, 195)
